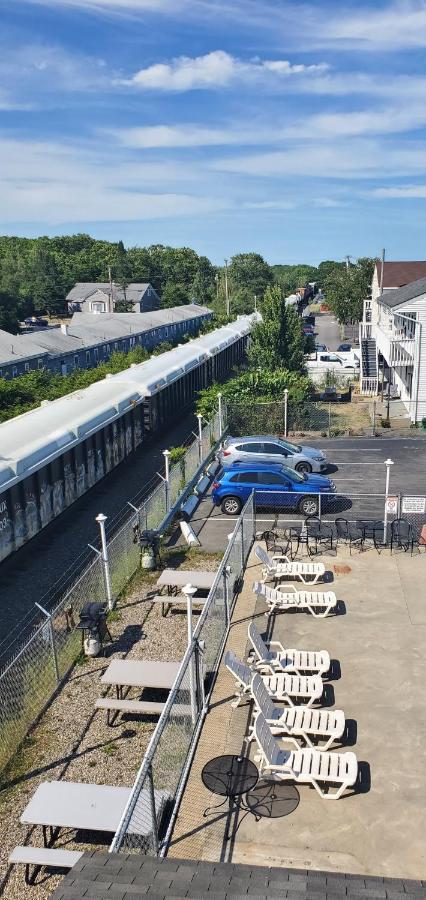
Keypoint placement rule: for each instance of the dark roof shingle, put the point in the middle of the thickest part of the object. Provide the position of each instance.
(402, 294)
(398, 273)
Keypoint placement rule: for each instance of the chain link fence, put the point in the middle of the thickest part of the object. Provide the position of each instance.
(148, 819)
(29, 679)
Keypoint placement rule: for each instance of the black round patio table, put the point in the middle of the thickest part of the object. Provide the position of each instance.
(230, 776)
(272, 800)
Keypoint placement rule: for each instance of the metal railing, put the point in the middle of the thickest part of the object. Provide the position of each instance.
(29, 679)
(148, 818)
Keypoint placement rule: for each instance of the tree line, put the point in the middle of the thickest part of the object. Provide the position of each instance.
(37, 273)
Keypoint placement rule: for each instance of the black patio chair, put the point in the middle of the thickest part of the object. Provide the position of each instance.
(349, 533)
(277, 543)
(320, 533)
(402, 535)
(378, 533)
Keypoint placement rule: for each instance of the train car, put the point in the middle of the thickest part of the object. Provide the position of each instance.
(52, 455)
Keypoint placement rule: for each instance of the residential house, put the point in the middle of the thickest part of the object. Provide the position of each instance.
(101, 297)
(393, 337)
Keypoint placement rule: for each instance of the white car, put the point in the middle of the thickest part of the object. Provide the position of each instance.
(335, 361)
(267, 448)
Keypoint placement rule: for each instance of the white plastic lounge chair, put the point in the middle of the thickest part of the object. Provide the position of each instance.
(285, 660)
(304, 766)
(284, 688)
(318, 603)
(297, 722)
(281, 567)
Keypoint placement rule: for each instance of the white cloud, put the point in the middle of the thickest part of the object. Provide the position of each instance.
(214, 70)
(359, 159)
(401, 24)
(409, 192)
(55, 183)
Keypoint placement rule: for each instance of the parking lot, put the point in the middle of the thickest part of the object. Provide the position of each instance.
(357, 467)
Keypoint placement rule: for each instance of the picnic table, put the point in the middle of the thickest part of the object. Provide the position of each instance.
(89, 807)
(175, 579)
(140, 673)
(178, 578)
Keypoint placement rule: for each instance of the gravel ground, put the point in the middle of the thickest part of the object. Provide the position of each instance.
(74, 743)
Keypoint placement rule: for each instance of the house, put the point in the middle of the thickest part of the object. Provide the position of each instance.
(102, 297)
(393, 337)
(89, 340)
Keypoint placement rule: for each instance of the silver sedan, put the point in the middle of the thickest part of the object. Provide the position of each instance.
(266, 448)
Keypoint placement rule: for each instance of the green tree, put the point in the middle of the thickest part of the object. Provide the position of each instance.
(174, 295)
(249, 271)
(9, 313)
(294, 341)
(346, 288)
(267, 349)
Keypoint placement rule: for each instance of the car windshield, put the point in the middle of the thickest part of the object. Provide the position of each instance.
(292, 475)
(289, 446)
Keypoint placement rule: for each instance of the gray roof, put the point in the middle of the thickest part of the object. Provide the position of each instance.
(88, 330)
(135, 875)
(16, 347)
(407, 292)
(84, 289)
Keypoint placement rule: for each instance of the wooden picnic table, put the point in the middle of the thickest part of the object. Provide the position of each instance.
(89, 807)
(178, 578)
(140, 673)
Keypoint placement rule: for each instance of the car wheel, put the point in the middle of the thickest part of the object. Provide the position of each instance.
(308, 506)
(231, 506)
(303, 467)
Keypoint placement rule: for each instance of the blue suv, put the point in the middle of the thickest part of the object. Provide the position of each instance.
(274, 485)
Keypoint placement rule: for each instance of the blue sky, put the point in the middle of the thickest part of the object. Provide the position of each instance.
(293, 129)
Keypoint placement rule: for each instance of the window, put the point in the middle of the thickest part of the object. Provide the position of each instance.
(245, 478)
(116, 346)
(76, 361)
(271, 478)
(40, 363)
(14, 372)
(96, 352)
(251, 448)
(88, 356)
(27, 367)
(275, 448)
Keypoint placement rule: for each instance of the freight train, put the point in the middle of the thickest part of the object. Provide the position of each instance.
(52, 455)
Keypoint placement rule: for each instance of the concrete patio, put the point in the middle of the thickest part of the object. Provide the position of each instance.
(378, 642)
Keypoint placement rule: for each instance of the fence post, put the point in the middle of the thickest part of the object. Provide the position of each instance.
(388, 464)
(52, 640)
(153, 809)
(219, 397)
(199, 674)
(226, 574)
(285, 412)
(374, 419)
(319, 507)
(101, 519)
(329, 419)
(200, 437)
(189, 592)
(166, 454)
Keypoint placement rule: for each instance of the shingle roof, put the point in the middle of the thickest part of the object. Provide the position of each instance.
(15, 347)
(402, 294)
(119, 876)
(396, 274)
(84, 289)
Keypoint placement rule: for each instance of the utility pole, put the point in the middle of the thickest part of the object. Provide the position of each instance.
(111, 299)
(226, 288)
(216, 278)
(255, 303)
(382, 271)
(347, 258)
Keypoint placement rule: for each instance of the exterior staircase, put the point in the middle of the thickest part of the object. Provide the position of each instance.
(369, 362)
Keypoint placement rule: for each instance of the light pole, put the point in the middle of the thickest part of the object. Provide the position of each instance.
(388, 464)
(101, 519)
(166, 454)
(226, 288)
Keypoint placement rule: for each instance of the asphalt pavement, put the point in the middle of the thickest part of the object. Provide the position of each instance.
(328, 330)
(357, 467)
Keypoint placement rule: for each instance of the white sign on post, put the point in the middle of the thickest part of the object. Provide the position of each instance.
(414, 504)
(392, 506)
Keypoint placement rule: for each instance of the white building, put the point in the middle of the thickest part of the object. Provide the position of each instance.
(393, 336)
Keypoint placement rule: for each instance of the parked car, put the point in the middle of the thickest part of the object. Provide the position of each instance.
(308, 330)
(269, 449)
(274, 486)
(321, 348)
(344, 348)
(333, 361)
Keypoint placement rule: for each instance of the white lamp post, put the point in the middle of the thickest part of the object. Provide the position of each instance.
(388, 464)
